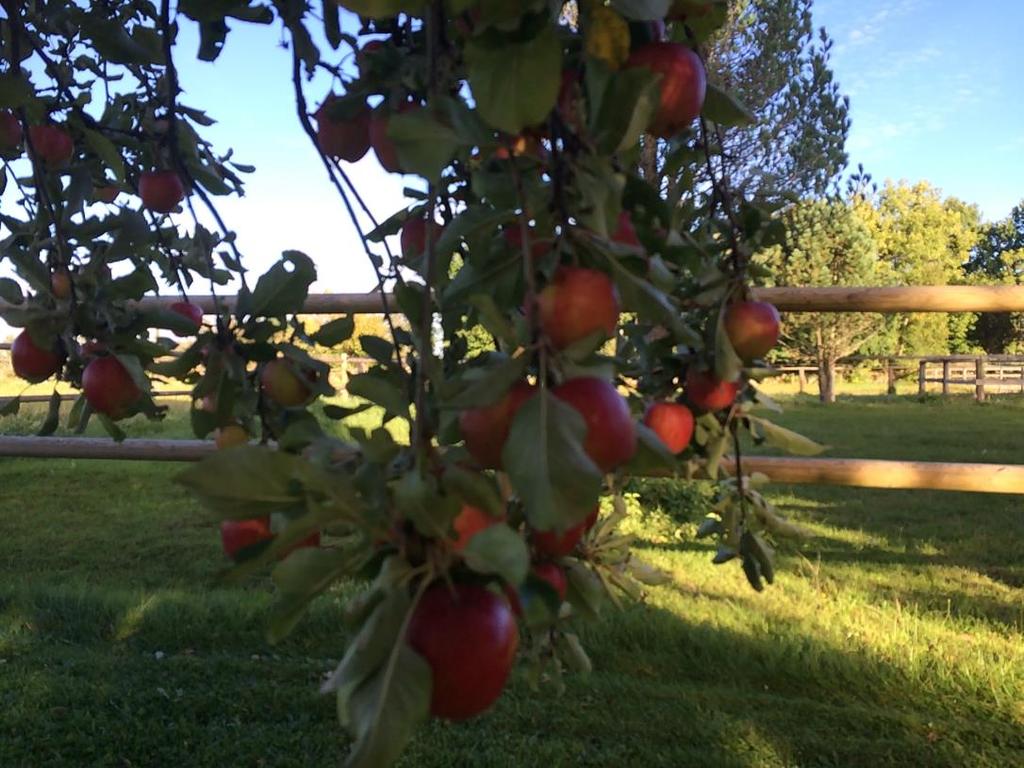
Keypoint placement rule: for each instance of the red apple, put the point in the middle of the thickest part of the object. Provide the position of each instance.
(60, 284)
(161, 191)
(230, 436)
(752, 328)
(10, 132)
(236, 535)
(539, 247)
(282, 385)
(383, 146)
(554, 576)
(485, 430)
(189, 311)
(610, 438)
(468, 636)
(625, 234)
(414, 235)
(109, 388)
(52, 144)
(707, 392)
(576, 303)
(346, 139)
(106, 194)
(31, 362)
(470, 521)
(683, 84)
(554, 544)
(672, 423)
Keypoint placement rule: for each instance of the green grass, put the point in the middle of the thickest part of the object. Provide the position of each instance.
(894, 637)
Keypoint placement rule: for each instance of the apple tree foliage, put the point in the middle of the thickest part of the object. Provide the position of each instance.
(521, 127)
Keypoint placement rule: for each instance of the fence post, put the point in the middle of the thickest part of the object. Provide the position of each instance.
(945, 377)
(1022, 378)
(922, 373)
(979, 379)
(890, 377)
(802, 374)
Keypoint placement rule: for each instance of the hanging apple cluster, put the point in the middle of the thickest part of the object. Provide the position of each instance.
(558, 216)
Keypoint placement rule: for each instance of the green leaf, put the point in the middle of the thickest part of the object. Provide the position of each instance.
(303, 575)
(544, 458)
(515, 85)
(111, 427)
(52, 420)
(418, 499)
(651, 453)
(379, 349)
(386, 710)
(485, 386)
(15, 91)
(377, 389)
(786, 439)
(115, 45)
(280, 291)
(424, 145)
(493, 319)
(10, 290)
(475, 488)
(10, 406)
(106, 151)
(627, 106)
(728, 365)
(334, 332)
(247, 481)
(724, 108)
(382, 9)
(643, 10)
(332, 22)
(499, 550)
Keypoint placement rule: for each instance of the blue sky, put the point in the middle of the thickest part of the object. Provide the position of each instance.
(937, 92)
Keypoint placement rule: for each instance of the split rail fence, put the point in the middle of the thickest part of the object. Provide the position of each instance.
(862, 473)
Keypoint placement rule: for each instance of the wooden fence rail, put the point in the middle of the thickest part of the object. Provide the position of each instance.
(862, 473)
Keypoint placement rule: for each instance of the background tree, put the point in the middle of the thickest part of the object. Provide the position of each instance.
(924, 239)
(998, 259)
(826, 243)
(770, 56)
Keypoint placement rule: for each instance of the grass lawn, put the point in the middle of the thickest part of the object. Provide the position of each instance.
(894, 637)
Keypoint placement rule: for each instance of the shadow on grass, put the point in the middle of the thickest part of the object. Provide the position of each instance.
(666, 691)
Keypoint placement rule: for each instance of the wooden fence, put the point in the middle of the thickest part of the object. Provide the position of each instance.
(987, 478)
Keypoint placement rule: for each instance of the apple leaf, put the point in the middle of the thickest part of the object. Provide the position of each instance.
(280, 289)
(643, 10)
(651, 454)
(10, 406)
(105, 150)
(545, 460)
(486, 386)
(498, 550)
(52, 420)
(724, 108)
(373, 386)
(424, 145)
(515, 85)
(248, 481)
(10, 290)
(475, 488)
(728, 365)
(382, 9)
(629, 102)
(786, 439)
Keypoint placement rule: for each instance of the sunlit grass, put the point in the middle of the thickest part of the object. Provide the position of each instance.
(894, 636)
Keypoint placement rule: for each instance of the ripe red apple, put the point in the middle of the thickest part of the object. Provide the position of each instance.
(707, 392)
(539, 247)
(31, 362)
(236, 535)
(52, 144)
(625, 234)
(683, 84)
(106, 194)
(468, 636)
(470, 521)
(60, 284)
(189, 311)
(10, 132)
(161, 191)
(553, 544)
(554, 576)
(345, 139)
(672, 423)
(414, 235)
(383, 146)
(610, 439)
(230, 436)
(576, 303)
(281, 384)
(752, 328)
(485, 430)
(109, 388)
